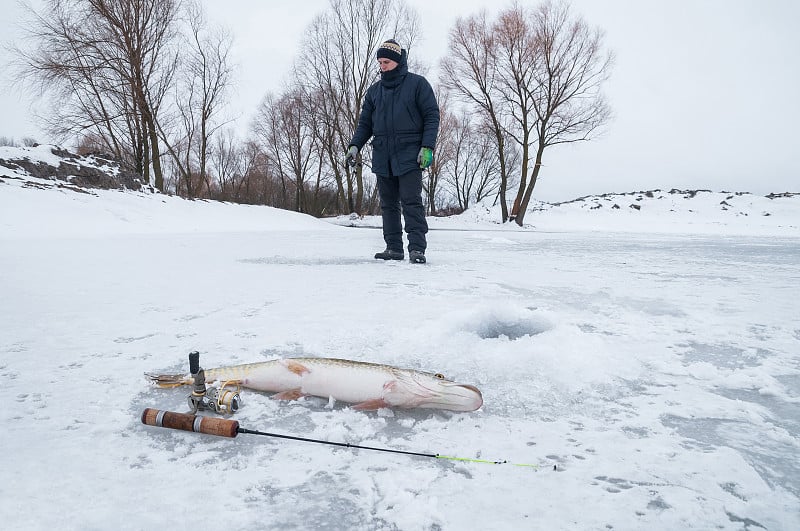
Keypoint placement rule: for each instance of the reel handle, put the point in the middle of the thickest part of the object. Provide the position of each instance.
(194, 362)
(187, 422)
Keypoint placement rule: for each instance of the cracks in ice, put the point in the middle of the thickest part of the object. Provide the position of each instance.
(748, 523)
(773, 460)
(722, 355)
(658, 503)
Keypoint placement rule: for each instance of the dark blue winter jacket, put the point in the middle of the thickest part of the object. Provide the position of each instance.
(401, 115)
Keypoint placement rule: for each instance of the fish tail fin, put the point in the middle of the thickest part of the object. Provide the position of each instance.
(167, 381)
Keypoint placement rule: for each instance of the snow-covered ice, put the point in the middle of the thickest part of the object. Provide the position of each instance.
(651, 357)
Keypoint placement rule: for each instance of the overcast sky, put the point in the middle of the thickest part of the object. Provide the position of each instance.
(704, 92)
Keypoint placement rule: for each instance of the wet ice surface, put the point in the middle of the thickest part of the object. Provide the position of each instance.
(659, 373)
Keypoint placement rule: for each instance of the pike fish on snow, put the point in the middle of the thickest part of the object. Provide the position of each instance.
(369, 386)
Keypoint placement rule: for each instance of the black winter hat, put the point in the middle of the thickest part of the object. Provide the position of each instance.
(390, 50)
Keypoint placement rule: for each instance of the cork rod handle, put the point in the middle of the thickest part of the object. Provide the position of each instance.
(188, 422)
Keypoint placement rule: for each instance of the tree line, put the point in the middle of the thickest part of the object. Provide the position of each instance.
(147, 81)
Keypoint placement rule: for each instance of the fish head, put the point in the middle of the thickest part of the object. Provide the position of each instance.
(426, 390)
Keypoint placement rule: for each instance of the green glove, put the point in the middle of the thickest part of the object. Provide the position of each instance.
(350, 156)
(425, 157)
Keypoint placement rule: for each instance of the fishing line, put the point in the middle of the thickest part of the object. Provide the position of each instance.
(230, 428)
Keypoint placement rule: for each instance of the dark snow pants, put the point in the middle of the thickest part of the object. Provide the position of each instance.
(405, 190)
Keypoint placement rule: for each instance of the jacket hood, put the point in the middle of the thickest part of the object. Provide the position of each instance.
(393, 77)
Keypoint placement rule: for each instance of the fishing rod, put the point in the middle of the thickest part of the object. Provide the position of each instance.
(230, 428)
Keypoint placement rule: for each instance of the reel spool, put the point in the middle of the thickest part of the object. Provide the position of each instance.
(224, 400)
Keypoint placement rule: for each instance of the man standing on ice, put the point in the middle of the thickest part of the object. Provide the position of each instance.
(401, 115)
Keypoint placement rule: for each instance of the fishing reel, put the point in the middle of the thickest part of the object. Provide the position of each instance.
(223, 400)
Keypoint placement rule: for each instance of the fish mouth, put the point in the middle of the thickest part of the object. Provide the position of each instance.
(444, 394)
(465, 398)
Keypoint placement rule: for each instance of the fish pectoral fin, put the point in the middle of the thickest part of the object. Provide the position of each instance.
(296, 367)
(291, 394)
(369, 405)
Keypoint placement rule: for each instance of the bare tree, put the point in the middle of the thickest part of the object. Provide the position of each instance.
(473, 174)
(251, 178)
(90, 102)
(267, 131)
(288, 132)
(338, 66)
(536, 77)
(470, 72)
(109, 65)
(199, 95)
(443, 157)
(516, 64)
(137, 36)
(226, 161)
(566, 90)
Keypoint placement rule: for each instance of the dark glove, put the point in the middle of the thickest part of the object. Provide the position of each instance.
(425, 157)
(350, 156)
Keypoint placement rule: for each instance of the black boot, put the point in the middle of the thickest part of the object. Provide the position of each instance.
(390, 254)
(416, 257)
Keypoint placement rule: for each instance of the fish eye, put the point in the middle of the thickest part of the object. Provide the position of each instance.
(439, 375)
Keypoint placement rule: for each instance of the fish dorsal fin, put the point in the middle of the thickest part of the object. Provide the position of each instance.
(296, 367)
